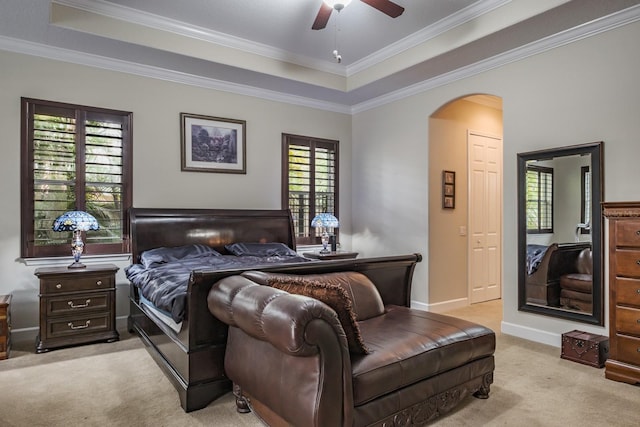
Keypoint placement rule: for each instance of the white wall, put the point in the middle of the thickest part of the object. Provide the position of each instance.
(157, 180)
(583, 92)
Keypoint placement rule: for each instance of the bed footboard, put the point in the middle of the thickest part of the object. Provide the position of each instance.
(193, 359)
(196, 371)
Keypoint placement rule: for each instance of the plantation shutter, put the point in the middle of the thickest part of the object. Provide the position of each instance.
(310, 182)
(539, 205)
(77, 158)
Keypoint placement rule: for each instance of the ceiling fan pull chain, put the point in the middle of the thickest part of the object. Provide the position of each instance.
(336, 53)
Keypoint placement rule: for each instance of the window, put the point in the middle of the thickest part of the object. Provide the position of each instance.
(585, 199)
(74, 158)
(539, 203)
(309, 182)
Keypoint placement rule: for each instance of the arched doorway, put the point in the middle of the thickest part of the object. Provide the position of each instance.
(464, 254)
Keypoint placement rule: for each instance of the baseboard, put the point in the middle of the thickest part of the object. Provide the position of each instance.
(441, 307)
(531, 334)
(24, 334)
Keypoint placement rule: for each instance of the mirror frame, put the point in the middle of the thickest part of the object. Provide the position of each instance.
(595, 149)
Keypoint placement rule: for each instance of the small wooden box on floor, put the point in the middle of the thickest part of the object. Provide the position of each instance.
(5, 326)
(586, 348)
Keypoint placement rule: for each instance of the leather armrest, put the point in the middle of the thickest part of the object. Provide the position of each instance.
(272, 315)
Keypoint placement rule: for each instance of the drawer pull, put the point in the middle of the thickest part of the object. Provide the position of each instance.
(86, 304)
(59, 286)
(99, 282)
(88, 322)
(637, 291)
(637, 232)
(638, 262)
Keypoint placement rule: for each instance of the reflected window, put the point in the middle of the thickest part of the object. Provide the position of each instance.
(585, 198)
(539, 199)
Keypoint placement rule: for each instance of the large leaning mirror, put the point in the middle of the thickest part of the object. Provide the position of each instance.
(560, 259)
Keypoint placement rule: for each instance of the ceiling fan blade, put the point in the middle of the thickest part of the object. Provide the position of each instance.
(386, 7)
(323, 17)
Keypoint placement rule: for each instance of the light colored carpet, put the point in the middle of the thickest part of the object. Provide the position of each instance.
(119, 384)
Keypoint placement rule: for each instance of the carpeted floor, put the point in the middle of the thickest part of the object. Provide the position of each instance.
(119, 384)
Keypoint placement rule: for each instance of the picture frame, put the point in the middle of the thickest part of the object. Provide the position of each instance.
(212, 144)
(448, 189)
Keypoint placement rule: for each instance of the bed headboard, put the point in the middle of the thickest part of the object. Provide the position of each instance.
(156, 227)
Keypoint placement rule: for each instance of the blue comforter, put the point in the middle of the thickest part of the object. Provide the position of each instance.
(535, 253)
(165, 284)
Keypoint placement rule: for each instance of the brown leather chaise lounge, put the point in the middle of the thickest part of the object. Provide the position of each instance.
(295, 360)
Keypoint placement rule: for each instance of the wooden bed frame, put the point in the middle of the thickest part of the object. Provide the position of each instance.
(193, 359)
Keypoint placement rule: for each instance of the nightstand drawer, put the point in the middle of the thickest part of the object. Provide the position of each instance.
(98, 322)
(628, 320)
(52, 285)
(628, 349)
(628, 291)
(628, 233)
(627, 262)
(66, 305)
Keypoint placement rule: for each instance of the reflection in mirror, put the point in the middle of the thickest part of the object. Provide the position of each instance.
(560, 260)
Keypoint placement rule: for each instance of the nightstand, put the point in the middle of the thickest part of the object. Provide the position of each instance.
(77, 306)
(5, 326)
(330, 255)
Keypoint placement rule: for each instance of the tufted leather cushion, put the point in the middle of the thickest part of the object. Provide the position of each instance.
(365, 298)
(577, 282)
(332, 295)
(408, 346)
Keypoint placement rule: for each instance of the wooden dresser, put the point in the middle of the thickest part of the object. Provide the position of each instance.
(624, 291)
(5, 326)
(77, 306)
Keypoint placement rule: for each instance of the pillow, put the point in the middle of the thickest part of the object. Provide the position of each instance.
(332, 295)
(365, 298)
(260, 249)
(175, 253)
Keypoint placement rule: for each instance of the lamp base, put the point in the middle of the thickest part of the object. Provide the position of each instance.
(77, 264)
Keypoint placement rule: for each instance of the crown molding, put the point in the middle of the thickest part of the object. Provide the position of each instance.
(569, 36)
(138, 17)
(580, 32)
(102, 62)
(465, 15)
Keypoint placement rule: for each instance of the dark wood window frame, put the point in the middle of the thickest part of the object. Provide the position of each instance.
(309, 206)
(545, 195)
(83, 117)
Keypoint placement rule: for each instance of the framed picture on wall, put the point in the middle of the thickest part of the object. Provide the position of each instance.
(212, 144)
(448, 189)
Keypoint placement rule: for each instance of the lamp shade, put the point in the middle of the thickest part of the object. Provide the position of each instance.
(75, 221)
(325, 220)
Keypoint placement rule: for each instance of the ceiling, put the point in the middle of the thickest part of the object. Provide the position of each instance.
(267, 48)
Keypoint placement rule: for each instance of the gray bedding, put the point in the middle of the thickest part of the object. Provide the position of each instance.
(164, 281)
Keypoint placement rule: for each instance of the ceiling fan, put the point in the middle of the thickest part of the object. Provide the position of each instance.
(385, 6)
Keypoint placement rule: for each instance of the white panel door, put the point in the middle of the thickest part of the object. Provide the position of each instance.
(485, 217)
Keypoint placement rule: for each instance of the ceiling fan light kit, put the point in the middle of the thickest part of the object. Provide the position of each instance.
(327, 6)
(337, 4)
